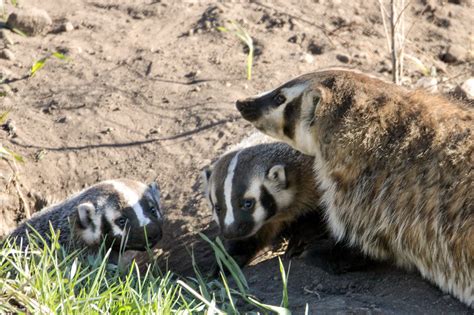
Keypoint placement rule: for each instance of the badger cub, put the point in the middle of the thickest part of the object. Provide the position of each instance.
(123, 213)
(256, 192)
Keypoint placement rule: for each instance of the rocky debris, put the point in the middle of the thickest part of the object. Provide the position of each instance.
(30, 21)
(67, 27)
(453, 54)
(465, 91)
(7, 54)
(7, 40)
(209, 21)
(10, 127)
(257, 48)
(343, 58)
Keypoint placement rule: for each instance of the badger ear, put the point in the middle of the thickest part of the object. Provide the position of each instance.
(277, 175)
(155, 191)
(86, 212)
(205, 175)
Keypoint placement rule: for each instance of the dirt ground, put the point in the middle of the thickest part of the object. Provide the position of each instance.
(149, 92)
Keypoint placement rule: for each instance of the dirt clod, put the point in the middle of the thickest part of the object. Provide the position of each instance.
(31, 21)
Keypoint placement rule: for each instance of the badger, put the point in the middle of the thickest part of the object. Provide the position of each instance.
(124, 214)
(261, 192)
(395, 167)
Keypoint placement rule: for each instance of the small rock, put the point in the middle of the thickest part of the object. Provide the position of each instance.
(308, 58)
(6, 37)
(196, 89)
(67, 27)
(30, 21)
(453, 54)
(466, 90)
(343, 58)
(7, 54)
(228, 84)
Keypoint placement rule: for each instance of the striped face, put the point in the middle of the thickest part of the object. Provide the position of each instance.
(286, 113)
(124, 213)
(244, 193)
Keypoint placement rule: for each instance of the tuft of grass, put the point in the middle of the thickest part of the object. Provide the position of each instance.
(45, 278)
(239, 32)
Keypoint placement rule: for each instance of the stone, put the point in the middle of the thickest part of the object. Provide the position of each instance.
(466, 90)
(343, 58)
(31, 21)
(7, 54)
(67, 27)
(429, 84)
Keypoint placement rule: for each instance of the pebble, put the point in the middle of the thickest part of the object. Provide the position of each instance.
(308, 58)
(31, 21)
(343, 58)
(67, 27)
(7, 54)
(466, 90)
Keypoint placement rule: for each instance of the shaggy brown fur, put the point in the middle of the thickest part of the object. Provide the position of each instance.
(396, 167)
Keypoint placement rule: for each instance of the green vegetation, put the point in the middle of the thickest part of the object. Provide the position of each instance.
(41, 62)
(239, 32)
(46, 279)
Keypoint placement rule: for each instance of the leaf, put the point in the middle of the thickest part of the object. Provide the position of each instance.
(59, 55)
(37, 65)
(222, 29)
(18, 32)
(3, 117)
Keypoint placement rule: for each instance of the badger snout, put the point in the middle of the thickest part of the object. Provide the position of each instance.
(249, 109)
(238, 230)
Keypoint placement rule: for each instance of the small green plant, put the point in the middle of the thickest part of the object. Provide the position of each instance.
(239, 32)
(41, 62)
(45, 278)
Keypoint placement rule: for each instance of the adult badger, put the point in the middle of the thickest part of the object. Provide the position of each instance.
(395, 167)
(123, 213)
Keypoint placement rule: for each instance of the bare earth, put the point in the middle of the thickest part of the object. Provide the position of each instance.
(149, 92)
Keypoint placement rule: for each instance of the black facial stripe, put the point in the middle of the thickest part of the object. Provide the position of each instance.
(106, 227)
(145, 204)
(268, 202)
(291, 115)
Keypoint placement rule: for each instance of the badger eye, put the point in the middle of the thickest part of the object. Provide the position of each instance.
(154, 211)
(279, 99)
(121, 222)
(217, 209)
(248, 204)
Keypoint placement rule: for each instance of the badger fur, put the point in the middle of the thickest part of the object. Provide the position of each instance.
(256, 191)
(123, 213)
(395, 167)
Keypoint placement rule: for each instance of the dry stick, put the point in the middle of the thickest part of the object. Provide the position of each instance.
(15, 180)
(394, 42)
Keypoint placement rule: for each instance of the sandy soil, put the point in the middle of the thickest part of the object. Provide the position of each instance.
(149, 92)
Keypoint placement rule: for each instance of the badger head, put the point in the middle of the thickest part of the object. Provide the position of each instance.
(294, 112)
(125, 214)
(245, 192)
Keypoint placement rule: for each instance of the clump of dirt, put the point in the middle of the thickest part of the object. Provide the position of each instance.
(139, 97)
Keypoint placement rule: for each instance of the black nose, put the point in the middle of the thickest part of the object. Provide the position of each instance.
(248, 109)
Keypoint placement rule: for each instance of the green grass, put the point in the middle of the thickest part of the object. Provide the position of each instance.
(47, 279)
(239, 32)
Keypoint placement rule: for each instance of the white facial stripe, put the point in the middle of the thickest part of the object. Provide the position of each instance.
(294, 91)
(132, 199)
(229, 214)
(111, 215)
